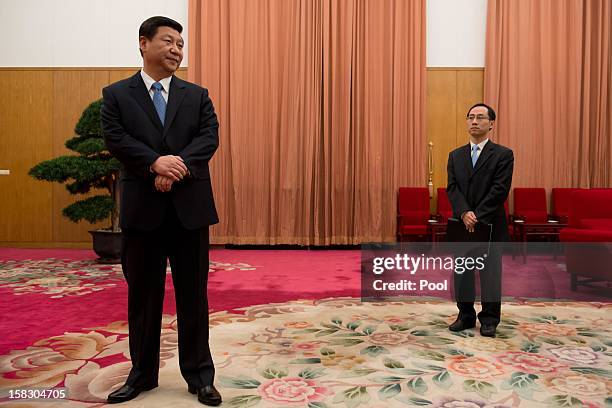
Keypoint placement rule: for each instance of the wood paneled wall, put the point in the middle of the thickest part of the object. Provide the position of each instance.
(450, 93)
(38, 112)
(40, 108)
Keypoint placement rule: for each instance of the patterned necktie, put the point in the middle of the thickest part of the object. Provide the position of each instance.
(159, 101)
(475, 149)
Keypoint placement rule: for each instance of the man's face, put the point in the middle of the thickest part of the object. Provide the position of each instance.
(478, 122)
(164, 51)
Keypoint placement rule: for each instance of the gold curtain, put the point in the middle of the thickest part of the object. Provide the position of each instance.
(321, 108)
(548, 74)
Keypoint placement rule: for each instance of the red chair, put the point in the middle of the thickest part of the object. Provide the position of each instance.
(412, 212)
(561, 203)
(530, 220)
(530, 205)
(590, 221)
(444, 208)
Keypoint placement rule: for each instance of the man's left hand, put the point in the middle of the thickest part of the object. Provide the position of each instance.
(163, 184)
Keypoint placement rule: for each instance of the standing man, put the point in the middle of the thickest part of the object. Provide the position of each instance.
(164, 131)
(479, 179)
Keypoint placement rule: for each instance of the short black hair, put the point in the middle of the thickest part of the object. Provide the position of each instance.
(149, 27)
(490, 110)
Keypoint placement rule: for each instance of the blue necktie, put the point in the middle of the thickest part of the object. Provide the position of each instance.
(474, 155)
(159, 101)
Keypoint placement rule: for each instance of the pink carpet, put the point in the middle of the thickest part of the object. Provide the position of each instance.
(240, 278)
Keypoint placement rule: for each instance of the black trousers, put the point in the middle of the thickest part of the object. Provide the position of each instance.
(144, 259)
(490, 288)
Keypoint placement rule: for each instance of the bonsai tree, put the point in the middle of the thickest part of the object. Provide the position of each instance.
(92, 167)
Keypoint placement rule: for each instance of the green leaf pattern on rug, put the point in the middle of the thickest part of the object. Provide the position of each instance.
(482, 388)
(353, 397)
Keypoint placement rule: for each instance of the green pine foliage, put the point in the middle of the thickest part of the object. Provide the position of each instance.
(92, 167)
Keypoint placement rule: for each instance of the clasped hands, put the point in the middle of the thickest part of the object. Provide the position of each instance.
(169, 169)
(470, 220)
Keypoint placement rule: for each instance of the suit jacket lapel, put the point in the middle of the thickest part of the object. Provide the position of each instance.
(486, 154)
(141, 94)
(177, 93)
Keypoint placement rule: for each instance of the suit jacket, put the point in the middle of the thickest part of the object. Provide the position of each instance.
(483, 188)
(135, 135)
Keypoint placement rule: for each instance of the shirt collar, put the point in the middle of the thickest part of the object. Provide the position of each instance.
(481, 145)
(165, 82)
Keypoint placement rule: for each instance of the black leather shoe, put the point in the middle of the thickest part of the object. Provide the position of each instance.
(460, 325)
(191, 388)
(208, 395)
(487, 330)
(126, 393)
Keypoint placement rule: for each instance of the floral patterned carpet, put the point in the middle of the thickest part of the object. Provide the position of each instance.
(339, 352)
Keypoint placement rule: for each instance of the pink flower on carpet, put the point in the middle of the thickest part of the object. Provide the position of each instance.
(475, 367)
(578, 355)
(394, 319)
(298, 325)
(306, 346)
(293, 391)
(580, 385)
(530, 362)
(546, 329)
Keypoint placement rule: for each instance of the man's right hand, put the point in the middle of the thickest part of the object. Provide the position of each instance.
(170, 166)
(470, 220)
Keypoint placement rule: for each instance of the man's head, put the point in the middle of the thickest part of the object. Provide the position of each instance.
(161, 46)
(480, 120)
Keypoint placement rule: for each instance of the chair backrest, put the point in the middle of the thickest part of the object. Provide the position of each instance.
(413, 204)
(591, 208)
(444, 208)
(530, 204)
(561, 200)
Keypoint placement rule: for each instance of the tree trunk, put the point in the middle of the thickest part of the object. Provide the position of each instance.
(115, 194)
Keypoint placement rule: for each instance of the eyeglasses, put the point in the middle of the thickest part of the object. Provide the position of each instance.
(479, 118)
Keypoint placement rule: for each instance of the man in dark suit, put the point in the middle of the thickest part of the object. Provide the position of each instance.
(164, 131)
(479, 179)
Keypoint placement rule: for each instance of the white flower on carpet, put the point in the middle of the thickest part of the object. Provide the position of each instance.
(42, 367)
(579, 355)
(467, 403)
(293, 391)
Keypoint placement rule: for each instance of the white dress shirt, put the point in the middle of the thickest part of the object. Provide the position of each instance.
(481, 146)
(165, 82)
